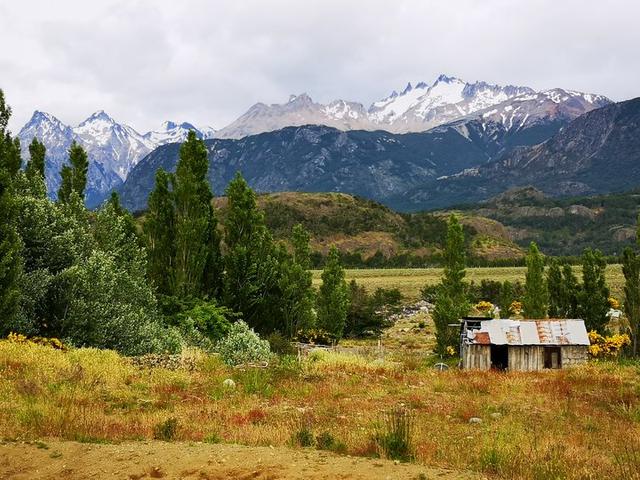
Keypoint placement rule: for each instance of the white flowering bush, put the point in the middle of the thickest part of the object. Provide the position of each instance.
(242, 345)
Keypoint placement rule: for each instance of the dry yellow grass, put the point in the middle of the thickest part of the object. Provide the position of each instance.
(410, 280)
(579, 423)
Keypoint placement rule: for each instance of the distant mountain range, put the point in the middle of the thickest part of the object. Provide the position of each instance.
(377, 165)
(599, 152)
(113, 148)
(420, 108)
(399, 145)
(460, 162)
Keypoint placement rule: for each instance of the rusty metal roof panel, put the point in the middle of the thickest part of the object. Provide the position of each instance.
(482, 338)
(530, 332)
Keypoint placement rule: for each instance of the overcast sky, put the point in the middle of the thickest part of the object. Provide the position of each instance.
(208, 61)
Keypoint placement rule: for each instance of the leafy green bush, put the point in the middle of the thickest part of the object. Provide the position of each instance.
(326, 441)
(304, 436)
(210, 319)
(110, 307)
(242, 345)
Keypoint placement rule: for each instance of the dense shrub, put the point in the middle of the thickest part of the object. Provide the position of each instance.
(242, 345)
(280, 344)
(209, 319)
(166, 430)
(369, 314)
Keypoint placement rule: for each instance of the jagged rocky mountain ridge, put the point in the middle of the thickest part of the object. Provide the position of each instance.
(599, 152)
(378, 165)
(113, 148)
(420, 108)
(461, 162)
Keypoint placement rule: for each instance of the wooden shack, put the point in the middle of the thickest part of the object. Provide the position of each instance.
(523, 345)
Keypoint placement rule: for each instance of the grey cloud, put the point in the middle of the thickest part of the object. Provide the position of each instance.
(207, 62)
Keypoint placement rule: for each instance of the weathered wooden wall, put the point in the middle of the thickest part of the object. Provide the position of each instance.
(574, 355)
(524, 358)
(476, 357)
(527, 358)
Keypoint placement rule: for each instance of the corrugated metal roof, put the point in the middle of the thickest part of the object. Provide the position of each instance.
(529, 332)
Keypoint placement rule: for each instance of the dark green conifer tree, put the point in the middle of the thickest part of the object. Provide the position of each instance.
(251, 267)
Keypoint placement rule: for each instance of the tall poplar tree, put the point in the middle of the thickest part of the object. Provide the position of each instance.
(37, 153)
(333, 298)
(451, 298)
(295, 284)
(159, 233)
(193, 217)
(300, 239)
(10, 244)
(213, 279)
(594, 295)
(631, 272)
(536, 297)
(570, 292)
(555, 287)
(74, 175)
(251, 268)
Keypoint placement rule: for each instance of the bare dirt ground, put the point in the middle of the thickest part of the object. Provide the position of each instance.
(145, 460)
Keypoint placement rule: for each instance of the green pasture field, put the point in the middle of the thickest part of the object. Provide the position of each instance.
(410, 280)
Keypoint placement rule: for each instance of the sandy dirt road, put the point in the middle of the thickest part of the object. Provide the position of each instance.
(146, 460)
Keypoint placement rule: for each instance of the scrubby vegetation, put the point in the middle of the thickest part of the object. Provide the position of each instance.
(574, 424)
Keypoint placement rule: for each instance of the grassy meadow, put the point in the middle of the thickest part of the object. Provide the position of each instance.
(580, 423)
(410, 280)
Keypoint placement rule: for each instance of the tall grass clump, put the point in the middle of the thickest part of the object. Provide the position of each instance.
(394, 440)
(303, 437)
(166, 430)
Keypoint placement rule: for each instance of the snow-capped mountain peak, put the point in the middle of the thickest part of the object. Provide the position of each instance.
(44, 124)
(418, 107)
(113, 148)
(173, 132)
